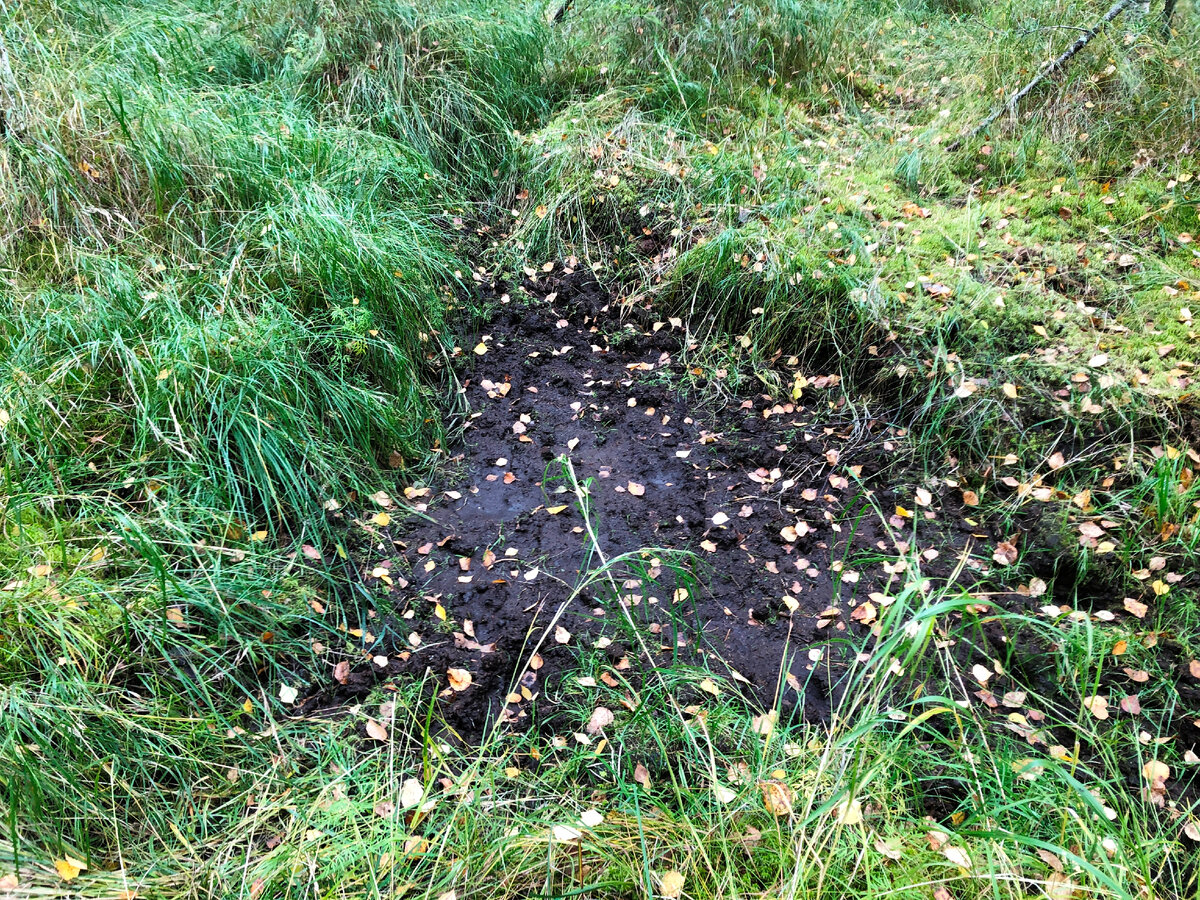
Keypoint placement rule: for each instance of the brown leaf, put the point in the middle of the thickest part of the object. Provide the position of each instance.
(376, 730)
(460, 679)
(1136, 607)
(777, 797)
(341, 672)
(1005, 553)
(641, 775)
(1131, 704)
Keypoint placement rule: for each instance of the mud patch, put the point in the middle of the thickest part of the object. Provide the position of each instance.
(763, 519)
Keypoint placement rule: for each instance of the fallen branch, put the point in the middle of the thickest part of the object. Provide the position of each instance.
(1049, 70)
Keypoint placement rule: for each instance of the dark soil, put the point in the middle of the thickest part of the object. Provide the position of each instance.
(563, 376)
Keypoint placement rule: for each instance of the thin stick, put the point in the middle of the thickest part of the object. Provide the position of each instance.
(1049, 70)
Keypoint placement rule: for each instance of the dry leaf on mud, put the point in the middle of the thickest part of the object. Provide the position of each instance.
(636, 489)
(341, 672)
(561, 635)
(460, 679)
(1005, 553)
(1136, 607)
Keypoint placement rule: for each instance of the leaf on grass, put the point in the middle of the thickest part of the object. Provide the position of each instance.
(958, 856)
(591, 818)
(288, 694)
(601, 718)
(565, 834)
(777, 797)
(641, 775)
(376, 730)
(670, 884)
(68, 869)
(848, 812)
(1131, 704)
(1097, 705)
(411, 793)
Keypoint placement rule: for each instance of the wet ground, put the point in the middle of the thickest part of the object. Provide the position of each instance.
(764, 518)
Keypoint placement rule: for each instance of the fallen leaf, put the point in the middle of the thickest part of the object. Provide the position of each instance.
(561, 635)
(376, 730)
(411, 793)
(288, 694)
(601, 718)
(958, 856)
(1097, 706)
(592, 818)
(341, 672)
(636, 489)
(641, 775)
(777, 797)
(68, 869)
(670, 884)
(460, 679)
(1005, 553)
(1136, 607)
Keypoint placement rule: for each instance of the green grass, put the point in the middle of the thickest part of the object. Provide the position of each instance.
(237, 241)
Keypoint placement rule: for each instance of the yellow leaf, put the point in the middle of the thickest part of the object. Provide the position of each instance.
(848, 812)
(381, 519)
(1010, 390)
(670, 884)
(481, 348)
(555, 510)
(69, 868)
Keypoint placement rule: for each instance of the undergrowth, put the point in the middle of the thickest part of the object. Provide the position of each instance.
(239, 242)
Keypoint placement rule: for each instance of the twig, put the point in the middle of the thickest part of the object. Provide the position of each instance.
(1049, 70)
